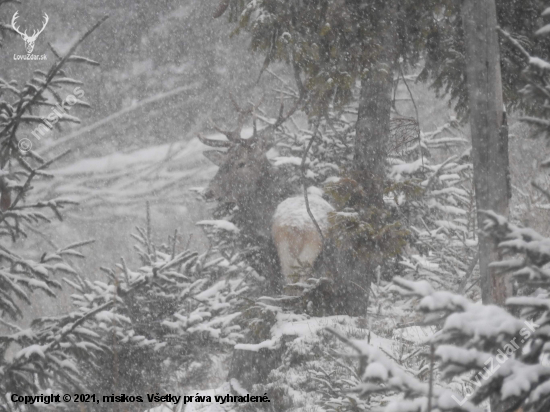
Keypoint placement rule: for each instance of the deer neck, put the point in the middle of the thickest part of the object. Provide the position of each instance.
(257, 211)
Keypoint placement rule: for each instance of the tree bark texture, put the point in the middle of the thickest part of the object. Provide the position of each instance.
(489, 139)
(372, 134)
(489, 131)
(373, 119)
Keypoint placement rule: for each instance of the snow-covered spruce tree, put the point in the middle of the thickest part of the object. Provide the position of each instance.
(46, 351)
(435, 203)
(331, 45)
(416, 185)
(431, 200)
(535, 73)
(445, 63)
(437, 209)
(440, 211)
(493, 353)
(163, 327)
(486, 348)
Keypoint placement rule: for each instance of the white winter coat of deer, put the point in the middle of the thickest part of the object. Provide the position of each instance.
(295, 235)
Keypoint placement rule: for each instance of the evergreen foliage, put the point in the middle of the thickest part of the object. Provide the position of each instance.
(47, 349)
(182, 319)
(430, 207)
(492, 352)
(335, 43)
(445, 55)
(161, 323)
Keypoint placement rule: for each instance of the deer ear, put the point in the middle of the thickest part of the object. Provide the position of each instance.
(215, 156)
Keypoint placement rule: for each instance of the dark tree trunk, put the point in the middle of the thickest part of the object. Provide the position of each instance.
(373, 128)
(489, 131)
(373, 120)
(489, 139)
(372, 134)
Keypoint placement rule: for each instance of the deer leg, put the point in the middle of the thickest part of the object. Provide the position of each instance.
(286, 258)
(289, 241)
(311, 248)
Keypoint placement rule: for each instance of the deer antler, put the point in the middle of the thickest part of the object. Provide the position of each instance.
(34, 33)
(234, 136)
(251, 111)
(281, 118)
(213, 143)
(16, 28)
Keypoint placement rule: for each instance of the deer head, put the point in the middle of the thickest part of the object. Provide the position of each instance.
(244, 164)
(29, 40)
(241, 170)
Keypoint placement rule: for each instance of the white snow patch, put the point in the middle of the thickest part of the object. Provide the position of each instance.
(31, 350)
(376, 370)
(305, 327)
(219, 224)
(292, 212)
(536, 61)
(406, 168)
(291, 160)
(542, 31)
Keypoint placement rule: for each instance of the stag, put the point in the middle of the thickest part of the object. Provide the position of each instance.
(269, 211)
(29, 40)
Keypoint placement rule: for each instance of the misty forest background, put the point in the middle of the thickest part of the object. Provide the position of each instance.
(146, 59)
(157, 303)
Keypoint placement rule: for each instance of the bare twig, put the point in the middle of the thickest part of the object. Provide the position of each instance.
(515, 43)
(26, 185)
(304, 182)
(189, 241)
(541, 189)
(25, 104)
(469, 272)
(431, 388)
(174, 243)
(416, 112)
(438, 172)
(148, 236)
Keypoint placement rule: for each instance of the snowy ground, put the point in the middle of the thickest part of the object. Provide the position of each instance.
(298, 331)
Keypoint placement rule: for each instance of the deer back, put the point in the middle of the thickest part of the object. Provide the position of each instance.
(297, 239)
